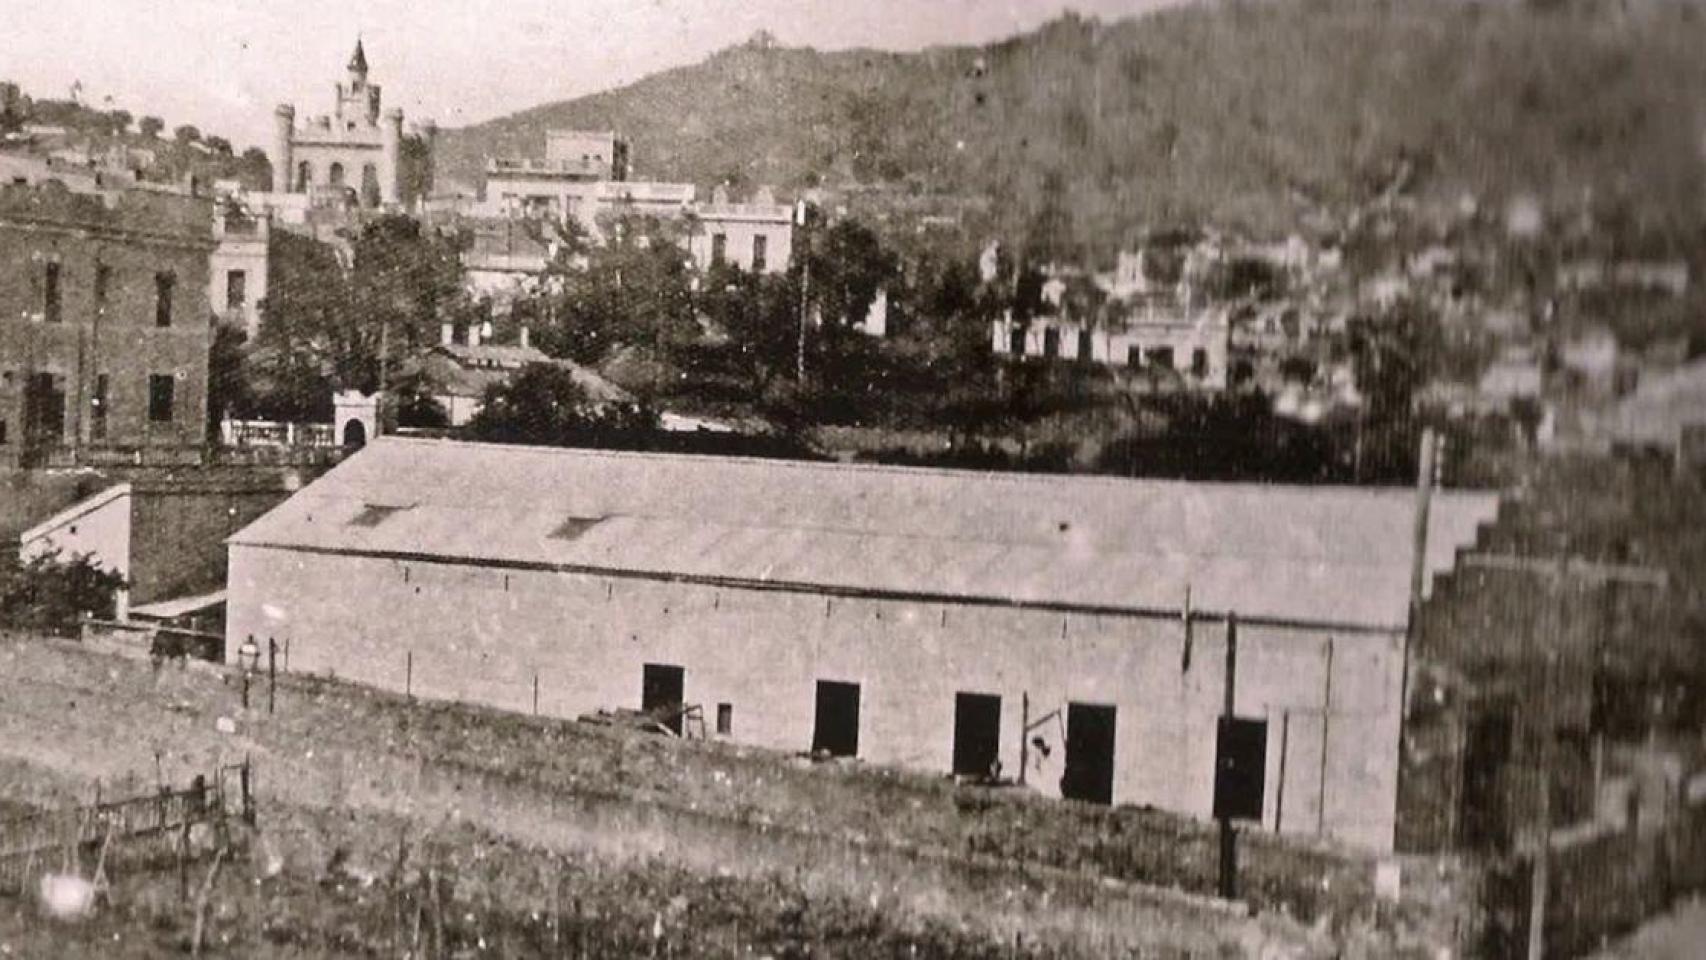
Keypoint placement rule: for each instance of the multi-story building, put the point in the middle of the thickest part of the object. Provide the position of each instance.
(757, 236)
(584, 177)
(104, 321)
(237, 271)
(358, 155)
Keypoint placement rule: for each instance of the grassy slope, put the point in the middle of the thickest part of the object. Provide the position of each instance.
(1247, 114)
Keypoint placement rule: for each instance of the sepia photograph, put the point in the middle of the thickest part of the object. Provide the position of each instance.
(1000, 479)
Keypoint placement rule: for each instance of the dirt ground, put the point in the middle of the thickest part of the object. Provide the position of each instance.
(797, 858)
(1679, 934)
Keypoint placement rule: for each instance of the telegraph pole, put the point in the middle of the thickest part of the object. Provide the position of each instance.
(800, 219)
(1229, 832)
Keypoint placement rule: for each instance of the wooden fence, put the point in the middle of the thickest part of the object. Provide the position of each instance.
(35, 843)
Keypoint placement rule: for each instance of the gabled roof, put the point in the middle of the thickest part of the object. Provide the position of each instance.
(1337, 555)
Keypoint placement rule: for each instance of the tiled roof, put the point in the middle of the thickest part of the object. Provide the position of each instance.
(1317, 554)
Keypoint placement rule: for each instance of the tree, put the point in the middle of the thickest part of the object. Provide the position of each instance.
(632, 291)
(150, 127)
(849, 265)
(544, 404)
(120, 120)
(255, 168)
(186, 133)
(50, 593)
(219, 145)
(228, 390)
(760, 315)
(1392, 358)
(325, 327)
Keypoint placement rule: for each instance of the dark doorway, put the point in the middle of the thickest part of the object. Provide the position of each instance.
(837, 729)
(1486, 752)
(355, 434)
(661, 687)
(1089, 753)
(977, 733)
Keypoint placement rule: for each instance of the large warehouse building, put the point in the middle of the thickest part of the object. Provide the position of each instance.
(1069, 631)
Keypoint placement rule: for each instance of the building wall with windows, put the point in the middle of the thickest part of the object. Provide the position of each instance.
(928, 619)
(104, 320)
(1194, 350)
(237, 271)
(757, 237)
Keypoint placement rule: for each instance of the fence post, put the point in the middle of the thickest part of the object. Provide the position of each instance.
(246, 785)
(272, 672)
(409, 674)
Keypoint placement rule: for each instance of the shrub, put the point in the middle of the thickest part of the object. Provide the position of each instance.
(50, 594)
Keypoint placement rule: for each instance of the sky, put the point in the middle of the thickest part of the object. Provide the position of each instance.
(224, 64)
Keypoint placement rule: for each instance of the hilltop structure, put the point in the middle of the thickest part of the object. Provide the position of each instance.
(359, 155)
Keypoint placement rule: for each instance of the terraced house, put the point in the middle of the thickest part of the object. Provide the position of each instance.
(104, 321)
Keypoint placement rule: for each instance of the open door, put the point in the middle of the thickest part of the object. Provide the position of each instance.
(837, 729)
(1089, 753)
(977, 734)
(661, 688)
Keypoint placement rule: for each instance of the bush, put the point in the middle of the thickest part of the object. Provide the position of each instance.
(51, 594)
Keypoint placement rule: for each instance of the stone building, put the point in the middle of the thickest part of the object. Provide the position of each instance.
(104, 321)
(1068, 632)
(358, 155)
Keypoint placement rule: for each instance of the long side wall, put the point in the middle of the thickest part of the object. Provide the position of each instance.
(483, 634)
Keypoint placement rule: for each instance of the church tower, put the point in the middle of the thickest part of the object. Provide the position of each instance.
(358, 101)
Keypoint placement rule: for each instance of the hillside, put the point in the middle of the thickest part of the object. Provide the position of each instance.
(165, 155)
(1251, 115)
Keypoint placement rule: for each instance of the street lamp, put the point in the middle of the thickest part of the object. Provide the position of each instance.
(248, 655)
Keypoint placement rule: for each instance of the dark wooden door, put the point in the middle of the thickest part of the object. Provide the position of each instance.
(1089, 753)
(836, 731)
(977, 733)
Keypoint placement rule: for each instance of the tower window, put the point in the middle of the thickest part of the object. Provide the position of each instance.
(760, 252)
(98, 409)
(103, 280)
(719, 247)
(51, 303)
(161, 387)
(164, 283)
(236, 289)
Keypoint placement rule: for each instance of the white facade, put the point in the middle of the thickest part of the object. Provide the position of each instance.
(1195, 351)
(237, 270)
(472, 572)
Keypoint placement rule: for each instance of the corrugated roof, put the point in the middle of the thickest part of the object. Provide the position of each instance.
(1320, 554)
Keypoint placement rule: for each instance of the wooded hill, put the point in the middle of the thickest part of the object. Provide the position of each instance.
(1261, 116)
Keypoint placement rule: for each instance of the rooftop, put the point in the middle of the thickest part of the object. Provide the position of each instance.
(1332, 555)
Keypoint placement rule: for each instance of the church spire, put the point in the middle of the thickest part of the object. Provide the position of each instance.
(358, 61)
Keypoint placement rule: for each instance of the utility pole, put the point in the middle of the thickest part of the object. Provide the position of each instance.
(384, 372)
(1229, 832)
(805, 288)
(1427, 475)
